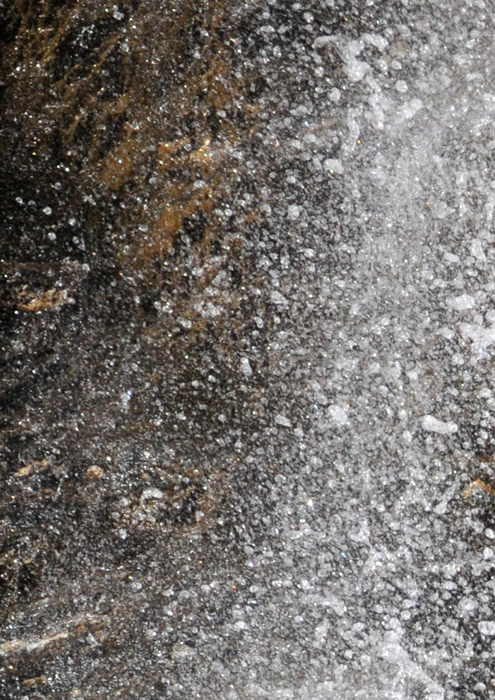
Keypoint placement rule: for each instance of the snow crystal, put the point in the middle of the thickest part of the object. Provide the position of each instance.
(477, 250)
(125, 398)
(355, 69)
(410, 109)
(117, 13)
(323, 41)
(182, 651)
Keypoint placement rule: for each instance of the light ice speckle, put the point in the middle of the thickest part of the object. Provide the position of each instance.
(434, 425)
(333, 166)
(246, 368)
(282, 420)
(487, 627)
(338, 414)
(293, 212)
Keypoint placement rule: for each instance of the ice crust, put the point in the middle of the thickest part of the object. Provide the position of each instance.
(370, 588)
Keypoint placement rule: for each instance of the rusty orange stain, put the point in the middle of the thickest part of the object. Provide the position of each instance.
(478, 485)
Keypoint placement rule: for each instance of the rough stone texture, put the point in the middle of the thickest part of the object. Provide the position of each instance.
(127, 291)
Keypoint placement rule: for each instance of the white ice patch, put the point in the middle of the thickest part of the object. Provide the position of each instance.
(392, 652)
(151, 494)
(481, 337)
(434, 425)
(461, 303)
(409, 110)
(338, 414)
(333, 166)
(278, 298)
(282, 420)
(293, 212)
(246, 368)
(487, 627)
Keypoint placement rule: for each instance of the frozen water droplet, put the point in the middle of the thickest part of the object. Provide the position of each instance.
(246, 367)
(293, 212)
(333, 166)
(338, 414)
(151, 494)
(182, 652)
(487, 627)
(434, 425)
(125, 399)
(461, 303)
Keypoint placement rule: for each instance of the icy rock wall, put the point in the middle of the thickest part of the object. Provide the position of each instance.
(381, 546)
(323, 527)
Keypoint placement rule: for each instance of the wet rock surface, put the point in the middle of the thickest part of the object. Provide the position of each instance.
(247, 350)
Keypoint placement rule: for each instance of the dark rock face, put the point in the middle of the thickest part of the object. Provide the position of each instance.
(128, 210)
(128, 289)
